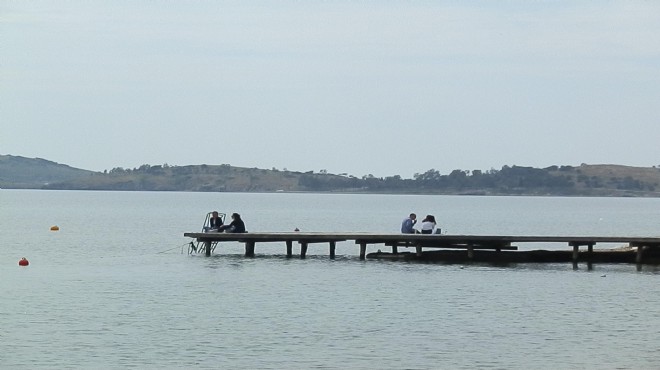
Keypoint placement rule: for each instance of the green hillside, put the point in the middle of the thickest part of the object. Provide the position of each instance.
(34, 173)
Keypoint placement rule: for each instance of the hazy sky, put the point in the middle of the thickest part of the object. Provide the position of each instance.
(363, 87)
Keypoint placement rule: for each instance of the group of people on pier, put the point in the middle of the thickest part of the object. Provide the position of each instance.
(429, 225)
(216, 224)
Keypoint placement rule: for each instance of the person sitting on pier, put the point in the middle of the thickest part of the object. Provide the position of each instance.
(428, 224)
(236, 226)
(215, 222)
(407, 226)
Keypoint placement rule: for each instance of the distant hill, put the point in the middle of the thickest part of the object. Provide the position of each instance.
(583, 180)
(34, 173)
(218, 178)
(606, 178)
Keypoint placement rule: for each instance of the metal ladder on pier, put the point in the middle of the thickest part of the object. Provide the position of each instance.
(198, 247)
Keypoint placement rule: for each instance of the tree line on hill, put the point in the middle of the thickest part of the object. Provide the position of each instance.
(587, 180)
(509, 180)
(513, 180)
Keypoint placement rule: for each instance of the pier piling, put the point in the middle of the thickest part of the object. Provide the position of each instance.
(303, 249)
(289, 248)
(249, 248)
(333, 246)
(207, 248)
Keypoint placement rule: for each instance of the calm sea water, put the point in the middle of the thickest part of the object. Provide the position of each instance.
(112, 288)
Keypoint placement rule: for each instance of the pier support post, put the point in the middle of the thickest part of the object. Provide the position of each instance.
(303, 250)
(363, 251)
(638, 257)
(249, 249)
(207, 247)
(333, 246)
(576, 254)
(590, 255)
(395, 250)
(470, 251)
(289, 248)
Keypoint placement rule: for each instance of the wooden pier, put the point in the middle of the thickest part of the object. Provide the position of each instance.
(644, 250)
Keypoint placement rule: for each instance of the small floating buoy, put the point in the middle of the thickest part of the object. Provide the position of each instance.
(23, 262)
(54, 228)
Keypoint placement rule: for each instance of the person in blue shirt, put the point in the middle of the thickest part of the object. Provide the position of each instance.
(407, 226)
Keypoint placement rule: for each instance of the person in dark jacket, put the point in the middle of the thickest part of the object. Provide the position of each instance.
(236, 226)
(215, 222)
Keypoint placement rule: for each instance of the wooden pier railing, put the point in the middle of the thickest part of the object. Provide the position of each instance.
(469, 243)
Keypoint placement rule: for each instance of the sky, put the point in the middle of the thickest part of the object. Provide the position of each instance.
(359, 87)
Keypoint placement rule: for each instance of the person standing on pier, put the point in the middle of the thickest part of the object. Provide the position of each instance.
(236, 226)
(408, 225)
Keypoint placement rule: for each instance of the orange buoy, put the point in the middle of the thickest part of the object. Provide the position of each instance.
(54, 228)
(23, 262)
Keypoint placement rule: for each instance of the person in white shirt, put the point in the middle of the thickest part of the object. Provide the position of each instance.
(428, 224)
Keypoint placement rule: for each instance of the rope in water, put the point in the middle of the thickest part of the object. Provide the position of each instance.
(178, 246)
